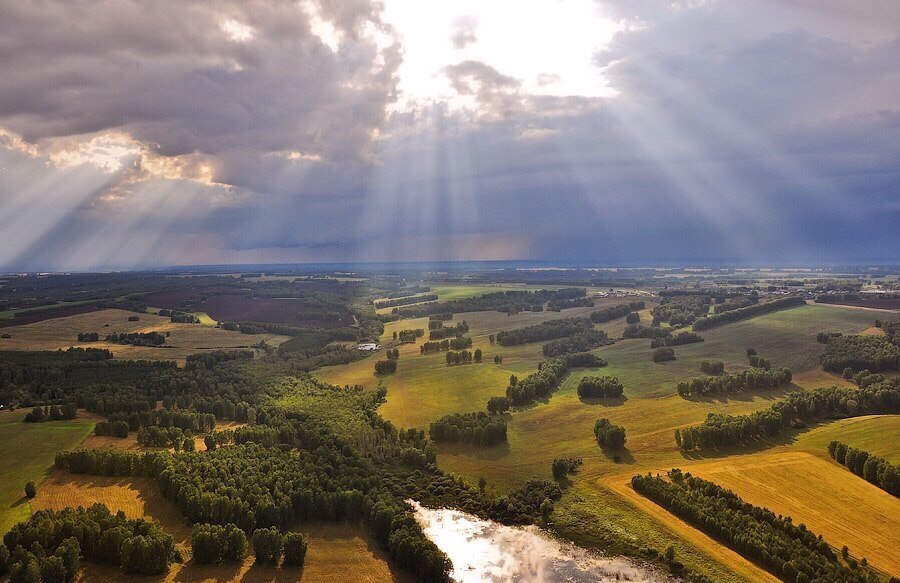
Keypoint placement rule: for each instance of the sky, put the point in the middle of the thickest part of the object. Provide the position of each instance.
(607, 132)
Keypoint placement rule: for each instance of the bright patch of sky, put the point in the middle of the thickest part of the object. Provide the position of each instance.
(548, 45)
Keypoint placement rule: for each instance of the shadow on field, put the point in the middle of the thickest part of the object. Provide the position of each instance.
(494, 452)
(605, 401)
(786, 438)
(747, 396)
(619, 456)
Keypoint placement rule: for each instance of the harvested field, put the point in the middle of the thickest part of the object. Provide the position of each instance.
(184, 339)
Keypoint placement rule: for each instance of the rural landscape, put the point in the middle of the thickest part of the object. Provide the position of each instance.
(696, 425)
(417, 291)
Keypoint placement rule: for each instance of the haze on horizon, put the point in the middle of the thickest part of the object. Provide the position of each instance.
(181, 133)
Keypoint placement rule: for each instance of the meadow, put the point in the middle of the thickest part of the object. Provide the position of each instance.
(27, 451)
(600, 505)
(184, 339)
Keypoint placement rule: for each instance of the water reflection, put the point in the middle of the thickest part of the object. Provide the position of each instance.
(483, 550)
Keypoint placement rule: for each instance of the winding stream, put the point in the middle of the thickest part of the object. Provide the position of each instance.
(483, 550)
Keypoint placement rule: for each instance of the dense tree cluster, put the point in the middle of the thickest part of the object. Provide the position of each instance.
(639, 331)
(600, 387)
(549, 330)
(663, 354)
(632, 318)
(609, 435)
(559, 305)
(676, 340)
(49, 545)
(111, 428)
(825, 337)
(460, 357)
(790, 551)
(166, 437)
(213, 543)
(734, 303)
(52, 413)
(88, 336)
(449, 331)
(798, 407)
(435, 324)
(509, 302)
(578, 342)
(385, 366)
(405, 301)
(750, 311)
(550, 373)
(714, 367)
(872, 468)
(497, 405)
(875, 353)
(138, 338)
(393, 354)
(407, 336)
(475, 428)
(613, 312)
(562, 467)
(441, 317)
(734, 383)
(681, 310)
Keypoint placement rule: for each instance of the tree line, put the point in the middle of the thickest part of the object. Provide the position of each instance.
(560, 305)
(872, 468)
(681, 310)
(714, 320)
(463, 357)
(593, 387)
(138, 338)
(508, 302)
(581, 341)
(549, 330)
(640, 331)
(550, 373)
(88, 336)
(475, 428)
(790, 551)
(734, 383)
(52, 413)
(796, 409)
(614, 312)
(407, 336)
(405, 301)
(448, 331)
(676, 340)
(439, 346)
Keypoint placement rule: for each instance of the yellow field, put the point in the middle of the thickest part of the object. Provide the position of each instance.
(184, 339)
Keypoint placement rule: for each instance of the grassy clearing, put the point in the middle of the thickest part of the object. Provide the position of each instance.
(184, 339)
(27, 451)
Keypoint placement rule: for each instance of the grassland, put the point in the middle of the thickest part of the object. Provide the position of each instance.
(600, 502)
(184, 339)
(27, 451)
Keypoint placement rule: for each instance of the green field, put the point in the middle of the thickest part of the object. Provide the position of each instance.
(599, 508)
(27, 451)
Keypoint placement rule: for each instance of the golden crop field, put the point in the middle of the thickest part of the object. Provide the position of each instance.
(184, 339)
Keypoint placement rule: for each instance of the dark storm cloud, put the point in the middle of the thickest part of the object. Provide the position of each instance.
(750, 130)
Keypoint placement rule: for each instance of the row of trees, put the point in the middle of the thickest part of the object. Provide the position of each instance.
(407, 336)
(549, 330)
(441, 345)
(508, 302)
(735, 303)
(875, 353)
(734, 383)
(475, 428)
(676, 340)
(442, 317)
(463, 357)
(405, 301)
(52, 413)
(138, 338)
(449, 331)
(872, 468)
(797, 408)
(594, 387)
(613, 312)
(640, 331)
(560, 305)
(168, 437)
(579, 342)
(790, 551)
(88, 336)
(750, 311)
